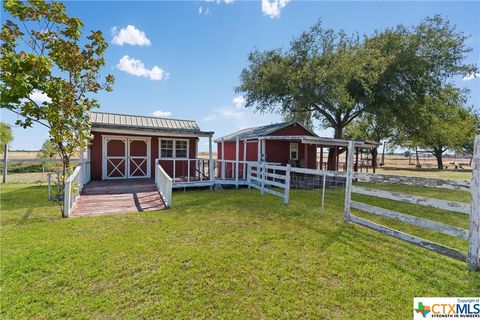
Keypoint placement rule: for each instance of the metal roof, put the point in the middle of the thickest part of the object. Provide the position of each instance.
(261, 131)
(126, 121)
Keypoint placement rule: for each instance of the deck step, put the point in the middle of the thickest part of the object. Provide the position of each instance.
(99, 198)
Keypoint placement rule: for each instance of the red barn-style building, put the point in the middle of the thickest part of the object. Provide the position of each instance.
(126, 146)
(285, 143)
(276, 143)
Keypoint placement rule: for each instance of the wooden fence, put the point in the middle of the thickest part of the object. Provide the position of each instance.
(473, 209)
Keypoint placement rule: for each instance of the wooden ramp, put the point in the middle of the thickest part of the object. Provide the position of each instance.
(118, 196)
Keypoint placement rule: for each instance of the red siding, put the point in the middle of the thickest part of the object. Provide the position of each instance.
(276, 151)
(97, 145)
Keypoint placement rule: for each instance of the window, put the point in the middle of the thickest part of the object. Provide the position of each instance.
(173, 148)
(180, 149)
(166, 148)
(294, 151)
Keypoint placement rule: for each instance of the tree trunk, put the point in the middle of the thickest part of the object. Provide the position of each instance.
(383, 155)
(374, 153)
(333, 152)
(417, 159)
(438, 153)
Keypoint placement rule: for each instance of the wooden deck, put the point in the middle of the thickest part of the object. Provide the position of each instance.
(118, 196)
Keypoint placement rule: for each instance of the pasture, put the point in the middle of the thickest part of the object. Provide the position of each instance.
(229, 254)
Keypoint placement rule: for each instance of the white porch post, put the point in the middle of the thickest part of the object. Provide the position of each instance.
(237, 145)
(210, 162)
(259, 150)
(264, 154)
(244, 158)
(223, 159)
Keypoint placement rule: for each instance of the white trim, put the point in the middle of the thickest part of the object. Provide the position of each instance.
(174, 151)
(290, 151)
(140, 132)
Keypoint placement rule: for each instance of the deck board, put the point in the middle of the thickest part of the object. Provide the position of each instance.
(118, 196)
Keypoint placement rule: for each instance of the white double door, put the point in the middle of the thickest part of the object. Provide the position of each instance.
(126, 157)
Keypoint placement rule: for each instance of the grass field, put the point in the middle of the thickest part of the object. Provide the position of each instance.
(226, 254)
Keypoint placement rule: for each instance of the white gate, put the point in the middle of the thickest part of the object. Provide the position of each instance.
(265, 177)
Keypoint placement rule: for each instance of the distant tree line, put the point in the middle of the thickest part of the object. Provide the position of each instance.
(393, 86)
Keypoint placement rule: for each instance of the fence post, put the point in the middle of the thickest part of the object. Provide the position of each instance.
(348, 183)
(262, 177)
(5, 163)
(66, 199)
(474, 247)
(249, 176)
(287, 185)
(323, 189)
(49, 176)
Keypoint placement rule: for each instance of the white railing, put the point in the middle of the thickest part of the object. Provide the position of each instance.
(164, 184)
(265, 177)
(73, 187)
(203, 171)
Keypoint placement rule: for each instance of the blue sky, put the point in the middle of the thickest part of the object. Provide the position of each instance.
(193, 51)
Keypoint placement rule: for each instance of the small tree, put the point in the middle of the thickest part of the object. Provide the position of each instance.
(6, 135)
(47, 152)
(43, 54)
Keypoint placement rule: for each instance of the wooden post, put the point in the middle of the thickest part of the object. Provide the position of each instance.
(321, 157)
(211, 168)
(237, 151)
(287, 185)
(474, 247)
(5, 162)
(356, 160)
(348, 183)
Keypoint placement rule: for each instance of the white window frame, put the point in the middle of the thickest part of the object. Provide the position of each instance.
(295, 149)
(160, 148)
(174, 148)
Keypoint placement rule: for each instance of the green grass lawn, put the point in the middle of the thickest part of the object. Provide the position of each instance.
(226, 254)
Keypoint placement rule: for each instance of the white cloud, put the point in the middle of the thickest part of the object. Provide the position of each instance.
(471, 75)
(39, 97)
(204, 11)
(137, 68)
(239, 101)
(130, 35)
(161, 114)
(220, 1)
(241, 119)
(272, 8)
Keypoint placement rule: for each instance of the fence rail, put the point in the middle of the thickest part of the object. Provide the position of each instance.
(414, 181)
(473, 209)
(413, 199)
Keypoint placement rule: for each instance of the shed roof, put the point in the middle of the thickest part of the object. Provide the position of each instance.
(261, 131)
(109, 120)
